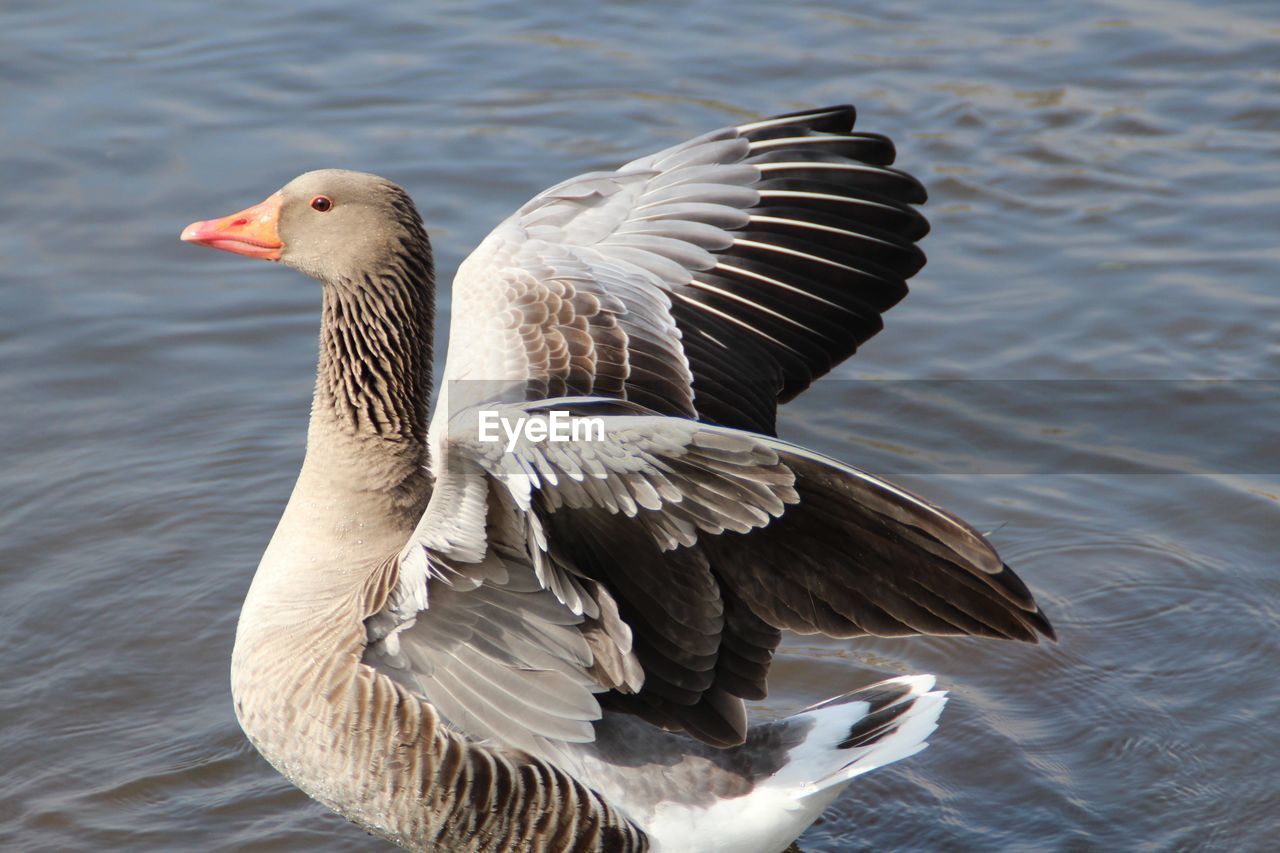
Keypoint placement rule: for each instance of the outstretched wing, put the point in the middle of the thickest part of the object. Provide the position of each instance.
(652, 568)
(710, 280)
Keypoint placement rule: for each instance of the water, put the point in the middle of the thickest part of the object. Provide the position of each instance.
(1103, 180)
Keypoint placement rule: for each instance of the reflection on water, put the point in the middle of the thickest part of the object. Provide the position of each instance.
(1100, 210)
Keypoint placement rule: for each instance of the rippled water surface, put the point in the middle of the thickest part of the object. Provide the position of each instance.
(1105, 199)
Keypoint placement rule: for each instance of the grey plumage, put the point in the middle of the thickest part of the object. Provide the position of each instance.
(462, 645)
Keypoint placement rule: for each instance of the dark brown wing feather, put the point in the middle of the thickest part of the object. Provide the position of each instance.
(827, 250)
(855, 556)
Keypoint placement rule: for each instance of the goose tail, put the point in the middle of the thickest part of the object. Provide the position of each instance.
(799, 766)
(855, 733)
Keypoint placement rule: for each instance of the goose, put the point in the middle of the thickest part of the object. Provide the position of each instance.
(531, 620)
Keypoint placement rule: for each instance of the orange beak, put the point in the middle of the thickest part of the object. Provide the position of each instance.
(252, 231)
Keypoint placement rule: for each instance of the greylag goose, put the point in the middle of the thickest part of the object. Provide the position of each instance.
(530, 623)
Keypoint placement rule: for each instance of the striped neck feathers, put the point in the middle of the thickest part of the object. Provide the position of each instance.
(374, 373)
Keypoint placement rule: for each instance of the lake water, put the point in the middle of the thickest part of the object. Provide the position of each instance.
(1105, 204)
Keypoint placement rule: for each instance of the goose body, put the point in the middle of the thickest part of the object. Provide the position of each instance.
(529, 644)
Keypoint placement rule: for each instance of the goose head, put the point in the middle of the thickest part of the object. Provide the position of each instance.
(332, 225)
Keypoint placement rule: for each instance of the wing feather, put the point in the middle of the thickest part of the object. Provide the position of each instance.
(652, 571)
(659, 564)
(783, 239)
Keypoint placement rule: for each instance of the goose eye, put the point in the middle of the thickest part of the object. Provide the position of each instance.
(321, 203)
